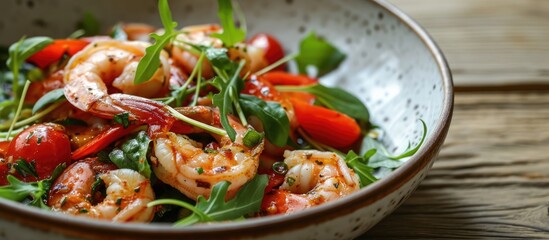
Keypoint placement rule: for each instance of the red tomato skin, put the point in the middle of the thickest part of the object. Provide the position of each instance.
(45, 144)
(272, 47)
(53, 52)
(284, 78)
(326, 126)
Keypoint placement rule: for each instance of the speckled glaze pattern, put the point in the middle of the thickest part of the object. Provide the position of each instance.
(391, 65)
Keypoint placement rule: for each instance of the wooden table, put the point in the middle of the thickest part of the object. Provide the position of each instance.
(491, 179)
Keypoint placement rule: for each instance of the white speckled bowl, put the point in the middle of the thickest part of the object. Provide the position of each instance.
(392, 65)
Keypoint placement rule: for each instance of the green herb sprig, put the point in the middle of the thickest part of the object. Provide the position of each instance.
(132, 154)
(19, 52)
(148, 65)
(33, 193)
(231, 35)
(246, 201)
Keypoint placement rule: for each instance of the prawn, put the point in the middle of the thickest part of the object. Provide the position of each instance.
(313, 178)
(194, 168)
(110, 66)
(200, 35)
(127, 193)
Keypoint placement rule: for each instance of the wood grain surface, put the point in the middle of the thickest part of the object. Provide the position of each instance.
(491, 179)
(489, 42)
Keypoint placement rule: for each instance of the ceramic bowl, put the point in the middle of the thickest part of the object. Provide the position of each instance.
(392, 65)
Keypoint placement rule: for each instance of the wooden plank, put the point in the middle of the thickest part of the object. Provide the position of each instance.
(491, 179)
(489, 42)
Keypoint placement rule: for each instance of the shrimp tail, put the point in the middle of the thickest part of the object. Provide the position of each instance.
(147, 111)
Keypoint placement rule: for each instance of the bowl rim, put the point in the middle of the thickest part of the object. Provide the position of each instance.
(82, 227)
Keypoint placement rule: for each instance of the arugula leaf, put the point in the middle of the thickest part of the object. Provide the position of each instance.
(218, 58)
(20, 51)
(122, 119)
(317, 52)
(231, 35)
(151, 61)
(275, 121)
(382, 158)
(48, 98)
(334, 98)
(20, 191)
(132, 154)
(247, 200)
(227, 96)
(358, 164)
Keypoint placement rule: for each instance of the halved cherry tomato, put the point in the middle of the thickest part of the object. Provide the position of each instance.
(45, 144)
(326, 126)
(56, 50)
(272, 48)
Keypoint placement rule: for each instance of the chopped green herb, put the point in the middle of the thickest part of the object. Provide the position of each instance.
(132, 154)
(290, 181)
(25, 168)
(200, 170)
(252, 138)
(122, 119)
(280, 168)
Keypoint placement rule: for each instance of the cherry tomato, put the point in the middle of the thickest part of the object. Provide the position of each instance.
(53, 52)
(272, 47)
(4, 148)
(45, 144)
(326, 126)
